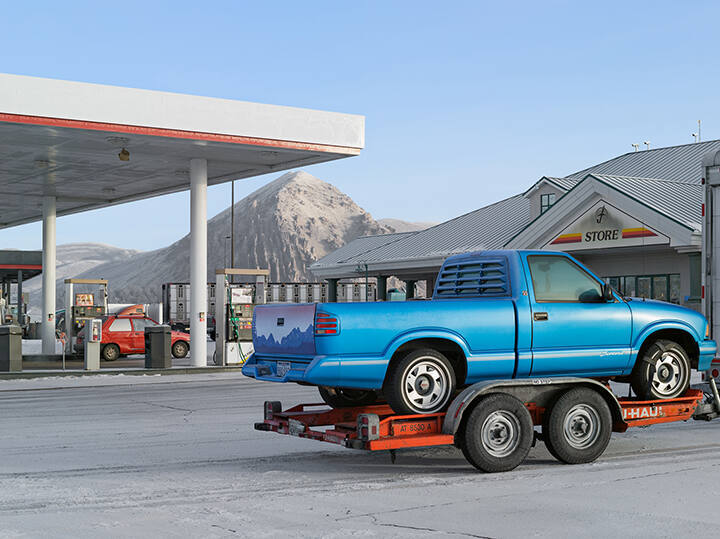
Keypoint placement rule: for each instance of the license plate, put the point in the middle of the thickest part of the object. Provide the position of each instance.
(283, 367)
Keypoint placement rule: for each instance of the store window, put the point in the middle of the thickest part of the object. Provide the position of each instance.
(546, 201)
(665, 287)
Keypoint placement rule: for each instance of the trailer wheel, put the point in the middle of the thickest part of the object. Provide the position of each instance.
(340, 397)
(422, 382)
(578, 427)
(663, 371)
(110, 352)
(498, 434)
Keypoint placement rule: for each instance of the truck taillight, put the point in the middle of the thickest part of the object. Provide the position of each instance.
(326, 324)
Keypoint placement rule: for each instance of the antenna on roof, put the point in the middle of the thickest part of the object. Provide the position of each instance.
(695, 136)
(699, 132)
(647, 143)
(635, 145)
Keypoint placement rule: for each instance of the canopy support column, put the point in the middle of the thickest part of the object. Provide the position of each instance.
(20, 316)
(48, 275)
(198, 262)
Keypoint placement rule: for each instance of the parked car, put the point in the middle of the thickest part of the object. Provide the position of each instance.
(493, 315)
(124, 335)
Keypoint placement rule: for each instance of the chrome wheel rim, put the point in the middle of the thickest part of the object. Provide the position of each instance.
(426, 385)
(669, 373)
(581, 426)
(500, 433)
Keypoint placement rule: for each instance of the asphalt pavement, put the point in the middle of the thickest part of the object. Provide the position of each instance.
(177, 456)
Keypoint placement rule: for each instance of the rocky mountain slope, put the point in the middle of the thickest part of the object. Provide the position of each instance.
(284, 226)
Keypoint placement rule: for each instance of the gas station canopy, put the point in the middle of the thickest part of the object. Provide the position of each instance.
(14, 262)
(92, 146)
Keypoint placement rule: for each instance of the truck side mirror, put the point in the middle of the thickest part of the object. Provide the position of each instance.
(607, 292)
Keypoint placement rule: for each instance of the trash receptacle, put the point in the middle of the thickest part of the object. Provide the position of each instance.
(10, 348)
(157, 347)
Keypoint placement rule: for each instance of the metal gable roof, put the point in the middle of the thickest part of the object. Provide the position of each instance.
(357, 247)
(675, 163)
(680, 201)
(666, 180)
(486, 228)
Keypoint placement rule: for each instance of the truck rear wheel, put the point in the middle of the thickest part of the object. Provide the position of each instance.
(341, 397)
(498, 434)
(422, 382)
(577, 430)
(661, 372)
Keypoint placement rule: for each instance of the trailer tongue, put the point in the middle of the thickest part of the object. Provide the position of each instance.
(500, 442)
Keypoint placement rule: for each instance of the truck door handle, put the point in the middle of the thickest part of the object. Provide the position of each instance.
(540, 316)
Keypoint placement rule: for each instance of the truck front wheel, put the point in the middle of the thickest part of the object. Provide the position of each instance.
(661, 372)
(422, 382)
(342, 397)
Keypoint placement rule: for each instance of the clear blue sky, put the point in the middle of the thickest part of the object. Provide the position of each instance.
(465, 102)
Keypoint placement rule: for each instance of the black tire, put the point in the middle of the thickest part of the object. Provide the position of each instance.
(422, 382)
(498, 434)
(110, 352)
(662, 371)
(578, 427)
(343, 397)
(180, 349)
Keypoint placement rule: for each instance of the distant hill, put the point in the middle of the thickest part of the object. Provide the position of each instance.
(74, 259)
(284, 226)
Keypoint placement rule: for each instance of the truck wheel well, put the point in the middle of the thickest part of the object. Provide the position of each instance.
(448, 348)
(683, 338)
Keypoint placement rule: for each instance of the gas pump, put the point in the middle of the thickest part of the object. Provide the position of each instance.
(81, 307)
(234, 313)
(91, 343)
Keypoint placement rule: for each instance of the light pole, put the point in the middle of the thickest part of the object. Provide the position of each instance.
(226, 249)
(360, 269)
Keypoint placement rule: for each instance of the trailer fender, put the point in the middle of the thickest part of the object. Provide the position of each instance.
(541, 391)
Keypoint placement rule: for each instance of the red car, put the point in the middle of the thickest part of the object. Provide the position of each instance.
(125, 335)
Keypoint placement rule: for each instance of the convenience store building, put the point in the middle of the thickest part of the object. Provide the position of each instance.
(635, 220)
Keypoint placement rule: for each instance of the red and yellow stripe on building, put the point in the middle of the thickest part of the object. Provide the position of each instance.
(568, 238)
(641, 232)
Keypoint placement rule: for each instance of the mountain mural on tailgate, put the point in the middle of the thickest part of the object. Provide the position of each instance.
(278, 330)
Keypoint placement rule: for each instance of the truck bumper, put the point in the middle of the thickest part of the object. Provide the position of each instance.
(708, 351)
(360, 373)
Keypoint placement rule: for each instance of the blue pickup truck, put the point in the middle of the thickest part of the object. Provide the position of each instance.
(493, 315)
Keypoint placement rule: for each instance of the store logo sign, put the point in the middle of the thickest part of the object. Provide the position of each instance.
(604, 226)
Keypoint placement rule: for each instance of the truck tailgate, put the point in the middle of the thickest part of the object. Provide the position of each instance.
(284, 330)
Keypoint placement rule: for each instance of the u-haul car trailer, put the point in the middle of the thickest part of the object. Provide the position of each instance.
(493, 422)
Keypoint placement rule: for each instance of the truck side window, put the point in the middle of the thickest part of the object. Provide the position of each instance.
(556, 278)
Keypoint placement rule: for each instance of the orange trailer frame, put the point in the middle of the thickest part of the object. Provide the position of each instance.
(377, 427)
